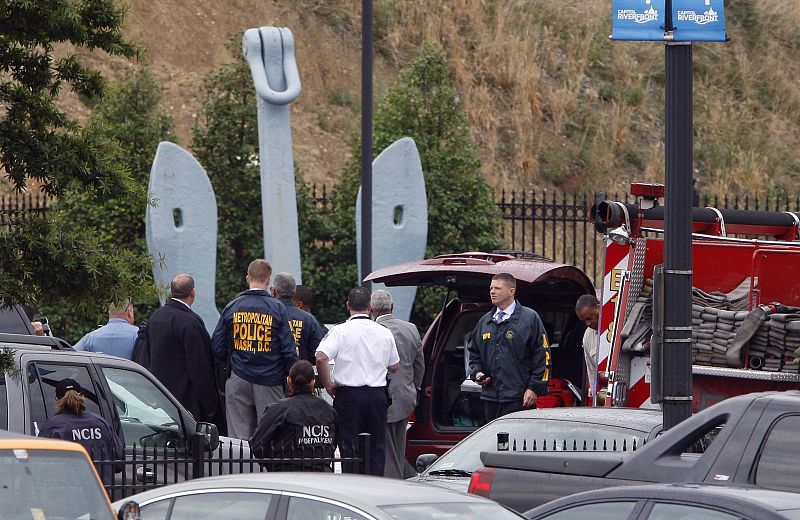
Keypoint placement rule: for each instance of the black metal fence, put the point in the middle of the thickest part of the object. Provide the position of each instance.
(150, 467)
(550, 223)
(593, 444)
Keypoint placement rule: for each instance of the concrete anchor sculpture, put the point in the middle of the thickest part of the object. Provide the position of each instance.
(270, 53)
(399, 216)
(182, 228)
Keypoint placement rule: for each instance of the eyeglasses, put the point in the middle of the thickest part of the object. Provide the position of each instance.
(128, 304)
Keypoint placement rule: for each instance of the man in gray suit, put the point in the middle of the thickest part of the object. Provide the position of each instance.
(403, 384)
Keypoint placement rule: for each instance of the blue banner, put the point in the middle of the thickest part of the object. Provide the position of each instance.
(699, 20)
(638, 20)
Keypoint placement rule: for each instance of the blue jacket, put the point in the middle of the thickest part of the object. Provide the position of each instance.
(306, 329)
(514, 353)
(92, 432)
(254, 332)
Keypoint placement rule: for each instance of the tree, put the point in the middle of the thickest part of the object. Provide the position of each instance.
(41, 145)
(226, 144)
(128, 114)
(462, 216)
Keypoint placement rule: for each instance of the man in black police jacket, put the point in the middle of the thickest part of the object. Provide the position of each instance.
(306, 329)
(178, 351)
(509, 355)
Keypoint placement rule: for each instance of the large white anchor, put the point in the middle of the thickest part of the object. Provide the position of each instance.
(270, 53)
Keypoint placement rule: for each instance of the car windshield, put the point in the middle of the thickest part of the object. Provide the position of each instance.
(530, 434)
(50, 484)
(451, 510)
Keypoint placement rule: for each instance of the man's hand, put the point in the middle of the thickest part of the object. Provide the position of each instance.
(529, 398)
(482, 379)
(331, 389)
(38, 328)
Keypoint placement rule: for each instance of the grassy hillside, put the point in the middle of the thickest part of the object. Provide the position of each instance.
(552, 102)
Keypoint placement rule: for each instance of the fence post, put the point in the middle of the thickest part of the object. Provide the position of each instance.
(198, 451)
(364, 451)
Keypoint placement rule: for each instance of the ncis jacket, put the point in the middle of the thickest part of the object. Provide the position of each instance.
(254, 332)
(514, 353)
(297, 426)
(306, 330)
(92, 432)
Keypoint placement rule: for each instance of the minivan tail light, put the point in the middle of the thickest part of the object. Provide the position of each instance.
(481, 482)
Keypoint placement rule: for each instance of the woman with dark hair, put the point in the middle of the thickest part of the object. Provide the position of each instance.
(301, 426)
(73, 423)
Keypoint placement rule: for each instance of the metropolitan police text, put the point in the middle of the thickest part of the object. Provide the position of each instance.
(252, 331)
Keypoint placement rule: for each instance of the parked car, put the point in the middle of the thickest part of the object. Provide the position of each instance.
(672, 502)
(45, 478)
(139, 408)
(311, 496)
(545, 429)
(449, 407)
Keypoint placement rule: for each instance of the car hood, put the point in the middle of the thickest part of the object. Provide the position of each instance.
(455, 483)
(474, 270)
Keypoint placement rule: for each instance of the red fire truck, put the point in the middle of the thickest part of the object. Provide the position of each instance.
(746, 285)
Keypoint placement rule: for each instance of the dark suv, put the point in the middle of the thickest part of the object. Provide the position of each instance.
(136, 404)
(449, 406)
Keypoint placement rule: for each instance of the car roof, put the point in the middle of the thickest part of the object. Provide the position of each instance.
(357, 490)
(19, 441)
(737, 498)
(633, 418)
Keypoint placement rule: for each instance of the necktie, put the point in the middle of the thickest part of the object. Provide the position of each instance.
(499, 317)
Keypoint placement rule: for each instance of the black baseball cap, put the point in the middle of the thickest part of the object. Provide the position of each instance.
(65, 385)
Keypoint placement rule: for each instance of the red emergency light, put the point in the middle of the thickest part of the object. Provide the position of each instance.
(646, 190)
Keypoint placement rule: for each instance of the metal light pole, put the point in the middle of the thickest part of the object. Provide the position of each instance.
(366, 141)
(678, 151)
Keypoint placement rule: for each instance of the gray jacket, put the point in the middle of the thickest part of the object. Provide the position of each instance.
(405, 382)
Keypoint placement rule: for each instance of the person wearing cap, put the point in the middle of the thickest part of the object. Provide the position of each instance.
(115, 337)
(73, 423)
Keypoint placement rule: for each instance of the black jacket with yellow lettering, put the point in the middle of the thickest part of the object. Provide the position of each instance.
(254, 331)
(515, 354)
(306, 329)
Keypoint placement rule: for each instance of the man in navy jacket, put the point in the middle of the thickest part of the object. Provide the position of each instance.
(253, 334)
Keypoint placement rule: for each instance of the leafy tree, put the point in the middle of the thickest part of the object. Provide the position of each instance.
(128, 114)
(226, 144)
(41, 145)
(462, 216)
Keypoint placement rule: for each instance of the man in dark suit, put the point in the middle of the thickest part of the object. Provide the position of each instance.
(403, 384)
(179, 351)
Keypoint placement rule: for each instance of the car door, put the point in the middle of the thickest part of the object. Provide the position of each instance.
(301, 506)
(41, 371)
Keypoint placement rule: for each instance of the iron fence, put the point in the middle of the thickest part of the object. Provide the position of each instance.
(593, 444)
(18, 205)
(150, 467)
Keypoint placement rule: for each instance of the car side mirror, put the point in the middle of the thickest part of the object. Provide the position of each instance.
(129, 511)
(424, 461)
(211, 433)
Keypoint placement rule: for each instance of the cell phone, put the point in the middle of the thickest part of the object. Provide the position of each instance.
(42, 320)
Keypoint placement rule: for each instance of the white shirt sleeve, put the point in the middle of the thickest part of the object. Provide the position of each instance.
(330, 343)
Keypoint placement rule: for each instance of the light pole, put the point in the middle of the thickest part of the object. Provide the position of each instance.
(366, 141)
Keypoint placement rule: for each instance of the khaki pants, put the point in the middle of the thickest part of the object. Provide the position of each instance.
(245, 403)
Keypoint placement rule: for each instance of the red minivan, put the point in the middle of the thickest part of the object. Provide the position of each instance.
(449, 407)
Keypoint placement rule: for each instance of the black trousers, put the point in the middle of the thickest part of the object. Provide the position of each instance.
(494, 409)
(362, 410)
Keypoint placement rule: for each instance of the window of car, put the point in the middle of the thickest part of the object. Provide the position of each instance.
(775, 469)
(523, 433)
(301, 508)
(42, 380)
(3, 403)
(40, 483)
(449, 511)
(155, 510)
(147, 415)
(688, 512)
(599, 511)
(238, 505)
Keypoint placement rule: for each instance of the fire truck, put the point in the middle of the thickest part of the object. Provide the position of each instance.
(745, 298)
